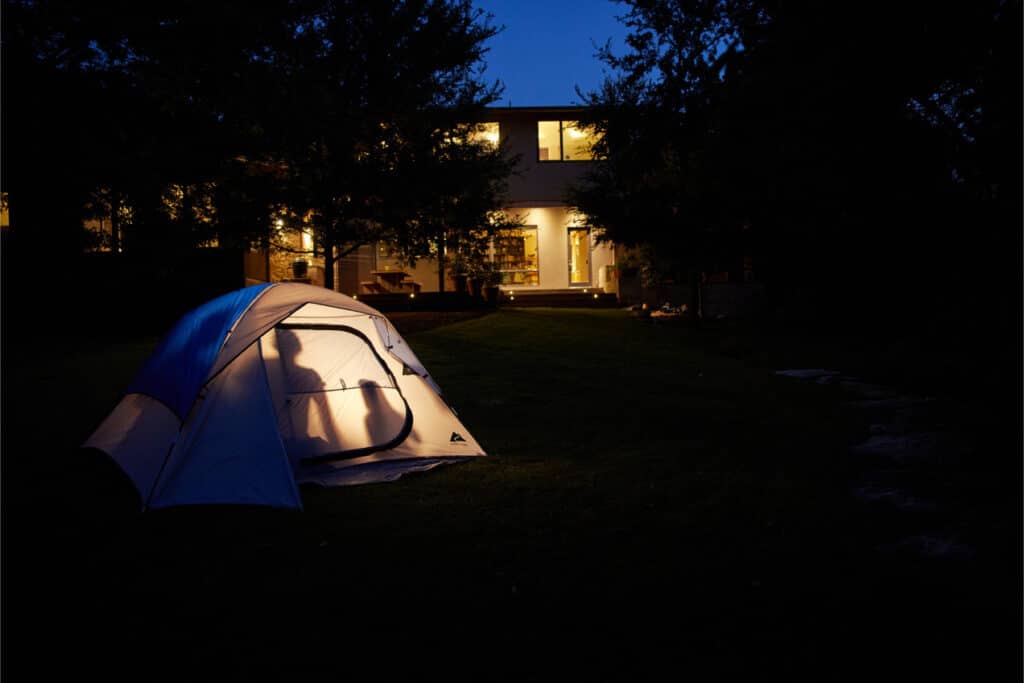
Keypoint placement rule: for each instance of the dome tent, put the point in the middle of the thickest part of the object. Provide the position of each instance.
(272, 386)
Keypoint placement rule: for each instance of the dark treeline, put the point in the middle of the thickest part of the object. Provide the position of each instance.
(866, 156)
(186, 122)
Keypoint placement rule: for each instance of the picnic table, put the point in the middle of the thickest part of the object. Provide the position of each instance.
(390, 282)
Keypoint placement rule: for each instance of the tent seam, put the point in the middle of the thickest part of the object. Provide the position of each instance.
(288, 464)
(241, 315)
(270, 327)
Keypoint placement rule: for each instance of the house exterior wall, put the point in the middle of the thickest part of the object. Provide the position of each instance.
(537, 193)
(538, 183)
(280, 261)
(553, 223)
(354, 268)
(537, 196)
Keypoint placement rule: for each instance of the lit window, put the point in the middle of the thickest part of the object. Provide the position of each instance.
(515, 252)
(549, 141)
(486, 133)
(576, 142)
(98, 233)
(564, 141)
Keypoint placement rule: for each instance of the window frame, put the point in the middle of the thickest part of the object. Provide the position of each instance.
(535, 269)
(590, 256)
(561, 142)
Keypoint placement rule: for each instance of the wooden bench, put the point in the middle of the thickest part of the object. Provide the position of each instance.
(390, 282)
(410, 285)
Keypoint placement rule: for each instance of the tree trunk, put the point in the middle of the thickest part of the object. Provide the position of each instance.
(440, 263)
(693, 307)
(115, 223)
(329, 267)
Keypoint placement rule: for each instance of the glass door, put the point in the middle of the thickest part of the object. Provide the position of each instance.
(579, 257)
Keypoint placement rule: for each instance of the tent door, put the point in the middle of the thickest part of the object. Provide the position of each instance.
(341, 399)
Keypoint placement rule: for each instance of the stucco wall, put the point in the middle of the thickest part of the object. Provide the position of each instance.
(553, 225)
(537, 194)
(537, 182)
(281, 262)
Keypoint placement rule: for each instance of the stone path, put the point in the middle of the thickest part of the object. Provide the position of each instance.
(903, 471)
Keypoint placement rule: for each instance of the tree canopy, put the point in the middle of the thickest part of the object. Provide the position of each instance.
(844, 142)
(201, 119)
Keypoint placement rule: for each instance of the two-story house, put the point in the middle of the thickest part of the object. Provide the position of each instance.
(552, 251)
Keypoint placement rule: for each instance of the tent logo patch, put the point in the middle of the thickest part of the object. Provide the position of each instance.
(456, 437)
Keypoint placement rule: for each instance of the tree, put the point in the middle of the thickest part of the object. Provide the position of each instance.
(840, 135)
(371, 91)
(206, 118)
(456, 186)
(126, 99)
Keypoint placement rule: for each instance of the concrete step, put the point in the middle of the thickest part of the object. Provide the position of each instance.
(559, 299)
(425, 301)
(450, 301)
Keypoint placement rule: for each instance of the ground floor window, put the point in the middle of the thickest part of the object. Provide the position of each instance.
(515, 252)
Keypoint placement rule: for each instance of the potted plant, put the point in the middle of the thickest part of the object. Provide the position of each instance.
(477, 278)
(460, 273)
(490, 277)
(476, 284)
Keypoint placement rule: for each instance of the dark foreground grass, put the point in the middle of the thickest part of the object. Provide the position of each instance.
(656, 504)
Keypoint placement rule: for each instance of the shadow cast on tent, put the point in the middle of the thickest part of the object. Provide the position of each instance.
(380, 416)
(322, 429)
(309, 381)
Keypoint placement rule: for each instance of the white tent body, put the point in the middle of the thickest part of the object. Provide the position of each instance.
(307, 385)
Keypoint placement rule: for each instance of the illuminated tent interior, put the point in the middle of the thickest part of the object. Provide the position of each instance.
(273, 386)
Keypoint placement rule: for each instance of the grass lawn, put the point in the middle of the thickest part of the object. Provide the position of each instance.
(657, 503)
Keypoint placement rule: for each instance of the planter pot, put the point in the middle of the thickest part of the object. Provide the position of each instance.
(300, 269)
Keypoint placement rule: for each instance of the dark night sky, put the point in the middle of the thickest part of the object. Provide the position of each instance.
(547, 47)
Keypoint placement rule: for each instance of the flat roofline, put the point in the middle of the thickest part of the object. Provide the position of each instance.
(546, 108)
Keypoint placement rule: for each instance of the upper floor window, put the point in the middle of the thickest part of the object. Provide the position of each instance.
(486, 133)
(564, 141)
